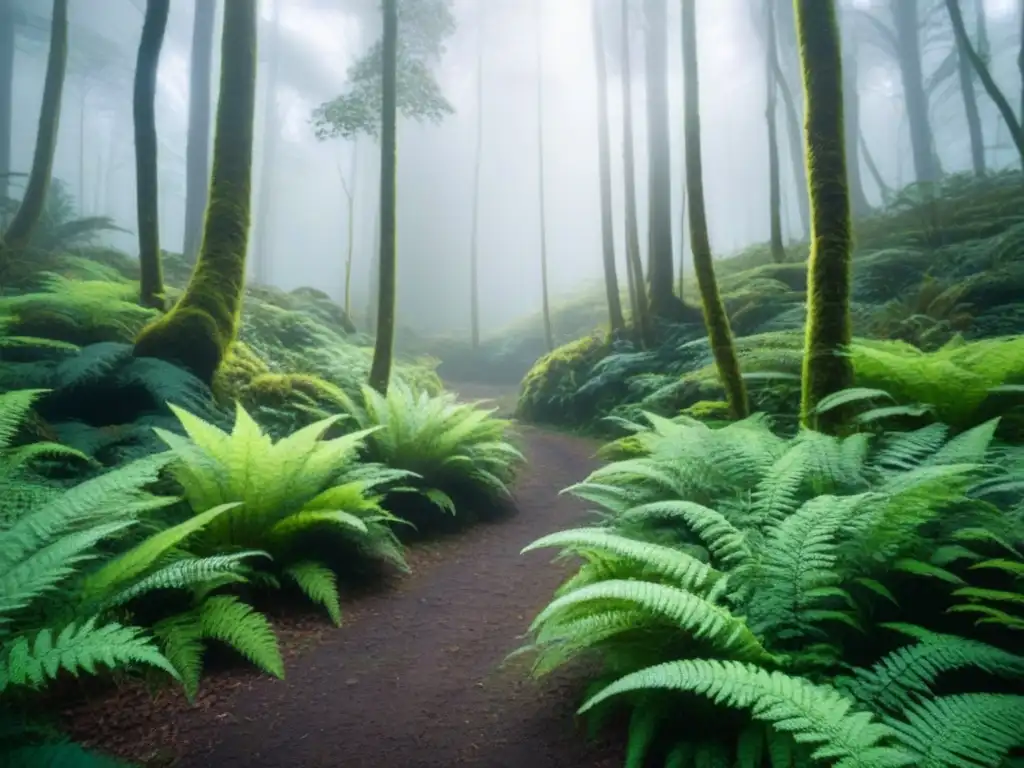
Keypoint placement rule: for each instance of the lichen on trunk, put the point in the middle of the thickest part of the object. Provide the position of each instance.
(200, 328)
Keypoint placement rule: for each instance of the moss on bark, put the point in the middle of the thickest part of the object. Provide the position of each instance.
(715, 318)
(825, 369)
(199, 330)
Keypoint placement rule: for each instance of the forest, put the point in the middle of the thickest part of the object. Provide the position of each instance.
(512, 383)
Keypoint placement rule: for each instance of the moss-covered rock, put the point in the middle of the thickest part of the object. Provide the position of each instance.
(551, 385)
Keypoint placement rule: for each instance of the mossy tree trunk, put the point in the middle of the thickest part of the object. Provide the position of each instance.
(7, 38)
(660, 254)
(199, 329)
(197, 151)
(19, 231)
(906, 21)
(641, 311)
(611, 280)
(715, 318)
(991, 88)
(549, 337)
(825, 369)
(778, 249)
(147, 202)
(474, 235)
(383, 347)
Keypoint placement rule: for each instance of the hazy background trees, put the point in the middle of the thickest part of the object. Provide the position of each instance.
(301, 207)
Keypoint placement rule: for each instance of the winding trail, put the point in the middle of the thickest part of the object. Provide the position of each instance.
(415, 679)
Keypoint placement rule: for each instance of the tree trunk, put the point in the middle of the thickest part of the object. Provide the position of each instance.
(660, 254)
(19, 230)
(611, 280)
(262, 250)
(682, 233)
(350, 191)
(966, 76)
(825, 370)
(549, 337)
(922, 142)
(198, 332)
(383, 347)
(147, 195)
(883, 189)
(1020, 61)
(634, 267)
(373, 297)
(796, 152)
(715, 318)
(964, 43)
(197, 152)
(851, 127)
(6, 93)
(474, 236)
(778, 249)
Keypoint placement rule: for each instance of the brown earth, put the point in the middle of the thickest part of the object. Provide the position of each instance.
(415, 677)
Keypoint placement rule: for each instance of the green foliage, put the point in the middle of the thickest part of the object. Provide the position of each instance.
(423, 26)
(456, 454)
(286, 494)
(754, 571)
(937, 267)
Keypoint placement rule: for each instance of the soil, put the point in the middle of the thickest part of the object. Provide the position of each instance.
(415, 678)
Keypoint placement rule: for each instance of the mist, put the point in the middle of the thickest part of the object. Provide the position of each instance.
(304, 227)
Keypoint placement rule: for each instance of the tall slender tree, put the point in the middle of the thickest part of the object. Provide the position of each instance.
(965, 75)
(611, 280)
(147, 200)
(474, 236)
(19, 230)
(778, 248)
(660, 254)
(549, 337)
(197, 151)
(907, 24)
(987, 81)
(634, 267)
(349, 188)
(7, 37)
(200, 328)
(262, 251)
(383, 348)
(715, 318)
(826, 370)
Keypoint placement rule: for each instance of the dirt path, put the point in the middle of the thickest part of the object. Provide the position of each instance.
(414, 681)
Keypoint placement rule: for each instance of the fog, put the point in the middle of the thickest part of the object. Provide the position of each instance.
(305, 224)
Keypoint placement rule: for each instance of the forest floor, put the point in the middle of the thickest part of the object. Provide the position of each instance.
(415, 677)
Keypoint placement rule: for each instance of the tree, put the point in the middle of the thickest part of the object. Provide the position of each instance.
(197, 152)
(545, 305)
(474, 244)
(271, 127)
(19, 231)
(151, 283)
(634, 267)
(967, 49)
(778, 249)
(663, 301)
(7, 38)
(200, 328)
(716, 321)
(907, 25)
(611, 280)
(380, 369)
(349, 190)
(826, 370)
